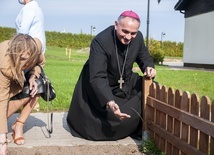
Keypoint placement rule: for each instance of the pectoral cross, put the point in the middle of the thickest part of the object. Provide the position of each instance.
(121, 81)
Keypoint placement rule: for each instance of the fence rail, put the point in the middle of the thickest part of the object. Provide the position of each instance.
(180, 123)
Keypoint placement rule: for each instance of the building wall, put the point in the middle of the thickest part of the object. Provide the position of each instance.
(199, 40)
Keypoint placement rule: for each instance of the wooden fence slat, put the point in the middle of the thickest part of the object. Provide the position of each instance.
(158, 94)
(163, 97)
(205, 113)
(146, 86)
(171, 101)
(152, 90)
(158, 115)
(177, 123)
(194, 109)
(151, 111)
(146, 83)
(185, 127)
(212, 138)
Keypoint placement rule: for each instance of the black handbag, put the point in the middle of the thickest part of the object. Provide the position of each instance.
(48, 93)
(45, 87)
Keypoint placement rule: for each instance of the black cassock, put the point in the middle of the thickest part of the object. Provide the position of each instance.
(98, 84)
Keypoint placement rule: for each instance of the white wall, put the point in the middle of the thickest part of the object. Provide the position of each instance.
(199, 39)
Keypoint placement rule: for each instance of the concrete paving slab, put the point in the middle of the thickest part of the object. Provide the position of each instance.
(36, 134)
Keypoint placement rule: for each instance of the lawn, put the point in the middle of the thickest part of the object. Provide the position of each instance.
(64, 72)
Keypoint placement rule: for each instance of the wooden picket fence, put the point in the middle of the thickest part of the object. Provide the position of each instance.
(180, 123)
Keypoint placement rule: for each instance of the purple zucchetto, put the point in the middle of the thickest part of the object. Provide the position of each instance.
(131, 14)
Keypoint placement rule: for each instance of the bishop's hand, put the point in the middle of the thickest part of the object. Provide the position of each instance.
(116, 110)
(150, 72)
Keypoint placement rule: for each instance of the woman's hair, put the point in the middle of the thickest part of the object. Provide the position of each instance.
(20, 44)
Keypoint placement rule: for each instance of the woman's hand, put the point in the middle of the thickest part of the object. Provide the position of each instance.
(33, 86)
(116, 110)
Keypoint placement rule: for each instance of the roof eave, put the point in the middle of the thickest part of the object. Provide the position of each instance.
(180, 5)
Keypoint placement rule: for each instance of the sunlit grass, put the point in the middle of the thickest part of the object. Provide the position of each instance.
(63, 72)
(194, 81)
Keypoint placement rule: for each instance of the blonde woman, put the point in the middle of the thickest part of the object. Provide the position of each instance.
(17, 55)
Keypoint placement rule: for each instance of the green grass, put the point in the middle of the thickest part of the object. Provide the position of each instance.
(149, 148)
(194, 81)
(64, 72)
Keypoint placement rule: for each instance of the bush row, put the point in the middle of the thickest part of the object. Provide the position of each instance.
(157, 49)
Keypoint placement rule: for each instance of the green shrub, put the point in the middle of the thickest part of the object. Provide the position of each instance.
(157, 55)
(79, 41)
(156, 51)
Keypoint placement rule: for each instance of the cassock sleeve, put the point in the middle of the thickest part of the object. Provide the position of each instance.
(144, 58)
(98, 73)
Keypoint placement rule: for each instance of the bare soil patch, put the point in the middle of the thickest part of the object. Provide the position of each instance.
(77, 150)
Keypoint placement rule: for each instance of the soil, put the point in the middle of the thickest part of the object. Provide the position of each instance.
(77, 150)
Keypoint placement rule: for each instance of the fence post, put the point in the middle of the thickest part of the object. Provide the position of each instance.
(145, 92)
(69, 53)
